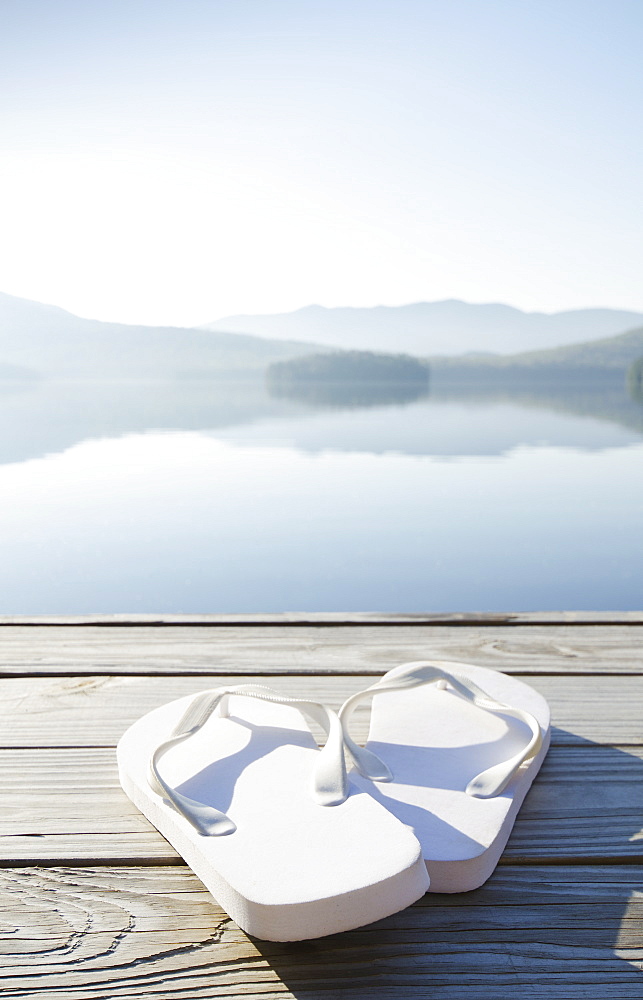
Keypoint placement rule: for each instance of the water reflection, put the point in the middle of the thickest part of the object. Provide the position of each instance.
(47, 417)
(349, 395)
(215, 496)
(449, 420)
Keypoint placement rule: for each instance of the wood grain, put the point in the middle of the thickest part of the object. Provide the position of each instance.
(67, 805)
(358, 649)
(113, 932)
(95, 711)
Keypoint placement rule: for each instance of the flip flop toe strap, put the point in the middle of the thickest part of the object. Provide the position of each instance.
(485, 785)
(329, 784)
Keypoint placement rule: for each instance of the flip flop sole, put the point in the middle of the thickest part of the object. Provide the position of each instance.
(292, 869)
(434, 743)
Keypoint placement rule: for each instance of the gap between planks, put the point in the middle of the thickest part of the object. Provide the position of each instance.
(158, 861)
(95, 711)
(66, 805)
(322, 619)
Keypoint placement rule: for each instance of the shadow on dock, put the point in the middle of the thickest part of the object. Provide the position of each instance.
(551, 923)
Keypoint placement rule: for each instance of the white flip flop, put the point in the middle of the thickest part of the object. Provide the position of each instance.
(235, 781)
(458, 746)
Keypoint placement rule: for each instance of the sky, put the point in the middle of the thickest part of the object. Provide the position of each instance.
(177, 161)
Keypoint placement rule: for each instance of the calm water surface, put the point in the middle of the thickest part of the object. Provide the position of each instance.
(218, 498)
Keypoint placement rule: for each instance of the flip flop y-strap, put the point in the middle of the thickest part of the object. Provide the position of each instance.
(329, 784)
(485, 785)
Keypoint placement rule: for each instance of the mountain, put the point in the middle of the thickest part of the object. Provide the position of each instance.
(448, 327)
(44, 340)
(599, 358)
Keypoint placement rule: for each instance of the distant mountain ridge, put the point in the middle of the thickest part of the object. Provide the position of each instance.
(37, 339)
(610, 354)
(448, 327)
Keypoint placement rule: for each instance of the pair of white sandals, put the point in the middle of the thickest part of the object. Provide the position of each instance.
(294, 848)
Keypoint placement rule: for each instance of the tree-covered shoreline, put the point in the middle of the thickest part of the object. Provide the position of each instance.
(349, 366)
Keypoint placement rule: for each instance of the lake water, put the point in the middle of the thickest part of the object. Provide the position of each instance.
(216, 497)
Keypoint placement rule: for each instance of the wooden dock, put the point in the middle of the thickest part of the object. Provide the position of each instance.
(96, 904)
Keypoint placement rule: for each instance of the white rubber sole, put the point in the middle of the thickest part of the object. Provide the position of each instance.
(434, 743)
(293, 869)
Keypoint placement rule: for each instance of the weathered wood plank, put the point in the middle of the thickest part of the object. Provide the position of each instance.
(561, 933)
(67, 805)
(93, 649)
(95, 711)
(547, 932)
(340, 618)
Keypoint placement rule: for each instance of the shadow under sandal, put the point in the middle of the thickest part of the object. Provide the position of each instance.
(456, 748)
(234, 780)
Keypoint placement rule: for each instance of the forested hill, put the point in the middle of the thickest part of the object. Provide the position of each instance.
(611, 354)
(355, 366)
